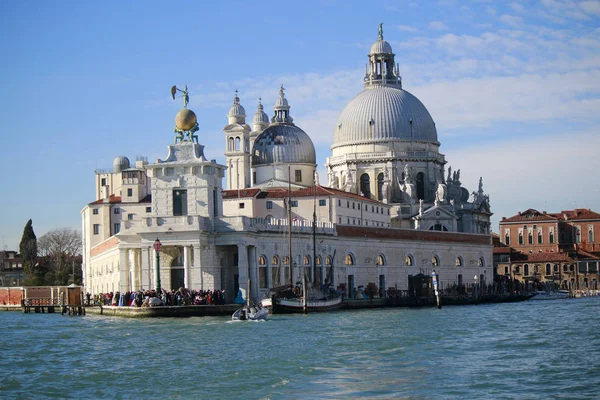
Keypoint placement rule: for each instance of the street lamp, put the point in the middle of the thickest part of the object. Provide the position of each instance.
(157, 246)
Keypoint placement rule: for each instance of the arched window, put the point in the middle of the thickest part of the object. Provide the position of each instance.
(237, 143)
(365, 185)
(591, 235)
(481, 262)
(275, 260)
(507, 239)
(520, 237)
(526, 269)
(409, 262)
(328, 260)
(286, 260)
(459, 261)
(380, 260)
(551, 237)
(548, 269)
(230, 146)
(380, 186)
(306, 260)
(530, 238)
(421, 186)
(262, 260)
(540, 239)
(349, 259)
(318, 260)
(435, 261)
(577, 235)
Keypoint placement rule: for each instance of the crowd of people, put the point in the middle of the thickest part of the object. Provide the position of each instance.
(146, 298)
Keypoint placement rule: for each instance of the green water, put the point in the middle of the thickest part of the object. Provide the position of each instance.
(529, 350)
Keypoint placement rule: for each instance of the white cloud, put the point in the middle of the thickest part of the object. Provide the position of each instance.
(406, 28)
(517, 7)
(511, 20)
(551, 172)
(591, 7)
(438, 25)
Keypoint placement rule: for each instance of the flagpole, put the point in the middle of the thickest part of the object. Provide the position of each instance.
(289, 210)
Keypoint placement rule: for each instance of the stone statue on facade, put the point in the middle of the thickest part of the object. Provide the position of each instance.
(185, 95)
(316, 178)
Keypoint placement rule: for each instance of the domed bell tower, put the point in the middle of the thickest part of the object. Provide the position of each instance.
(237, 147)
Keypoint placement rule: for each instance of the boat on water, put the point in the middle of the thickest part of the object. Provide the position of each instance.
(250, 313)
(544, 295)
(299, 305)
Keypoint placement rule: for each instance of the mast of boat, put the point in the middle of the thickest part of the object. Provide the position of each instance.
(314, 234)
(289, 216)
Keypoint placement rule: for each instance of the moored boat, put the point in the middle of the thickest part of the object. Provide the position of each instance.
(544, 295)
(296, 305)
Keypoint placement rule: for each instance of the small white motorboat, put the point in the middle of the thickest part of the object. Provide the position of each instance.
(543, 295)
(250, 313)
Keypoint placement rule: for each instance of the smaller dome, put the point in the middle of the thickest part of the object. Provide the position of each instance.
(185, 119)
(283, 144)
(120, 163)
(236, 109)
(260, 116)
(381, 46)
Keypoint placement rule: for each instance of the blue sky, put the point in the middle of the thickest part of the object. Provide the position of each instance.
(514, 89)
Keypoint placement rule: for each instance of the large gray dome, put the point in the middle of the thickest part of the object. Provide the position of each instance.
(283, 144)
(382, 113)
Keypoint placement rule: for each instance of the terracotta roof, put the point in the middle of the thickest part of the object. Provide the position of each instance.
(409, 234)
(502, 250)
(238, 194)
(577, 214)
(530, 215)
(112, 200)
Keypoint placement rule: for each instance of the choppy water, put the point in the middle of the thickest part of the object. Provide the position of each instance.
(529, 350)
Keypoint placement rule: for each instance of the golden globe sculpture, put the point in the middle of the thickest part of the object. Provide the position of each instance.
(185, 119)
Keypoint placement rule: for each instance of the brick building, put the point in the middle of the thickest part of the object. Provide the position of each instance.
(541, 247)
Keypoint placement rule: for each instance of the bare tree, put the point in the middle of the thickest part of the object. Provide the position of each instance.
(61, 248)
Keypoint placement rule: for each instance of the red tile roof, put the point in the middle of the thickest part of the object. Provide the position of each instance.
(502, 250)
(577, 214)
(409, 234)
(112, 200)
(530, 215)
(238, 194)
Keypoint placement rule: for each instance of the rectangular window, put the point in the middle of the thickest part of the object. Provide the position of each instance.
(340, 220)
(269, 205)
(241, 205)
(339, 203)
(322, 202)
(505, 270)
(298, 175)
(180, 202)
(262, 277)
(117, 228)
(347, 204)
(103, 182)
(117, 210)
(95, 211)
(353, 205)
(215, 203)
(96, 229)
(129, 192)
(130, 217)
(148, 209)
(294, 203)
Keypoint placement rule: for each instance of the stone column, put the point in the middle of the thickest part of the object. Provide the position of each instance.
(146, 272)
(243, 269)
(197, 278)
(253, 273)
(124, 283)
(187, 279)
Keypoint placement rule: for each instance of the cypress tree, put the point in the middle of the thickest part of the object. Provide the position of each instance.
(28, 250)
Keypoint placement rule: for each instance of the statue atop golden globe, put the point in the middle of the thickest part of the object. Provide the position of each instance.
(186, 123)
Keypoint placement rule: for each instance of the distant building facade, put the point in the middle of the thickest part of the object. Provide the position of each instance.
(11, 269)
(561, 248)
